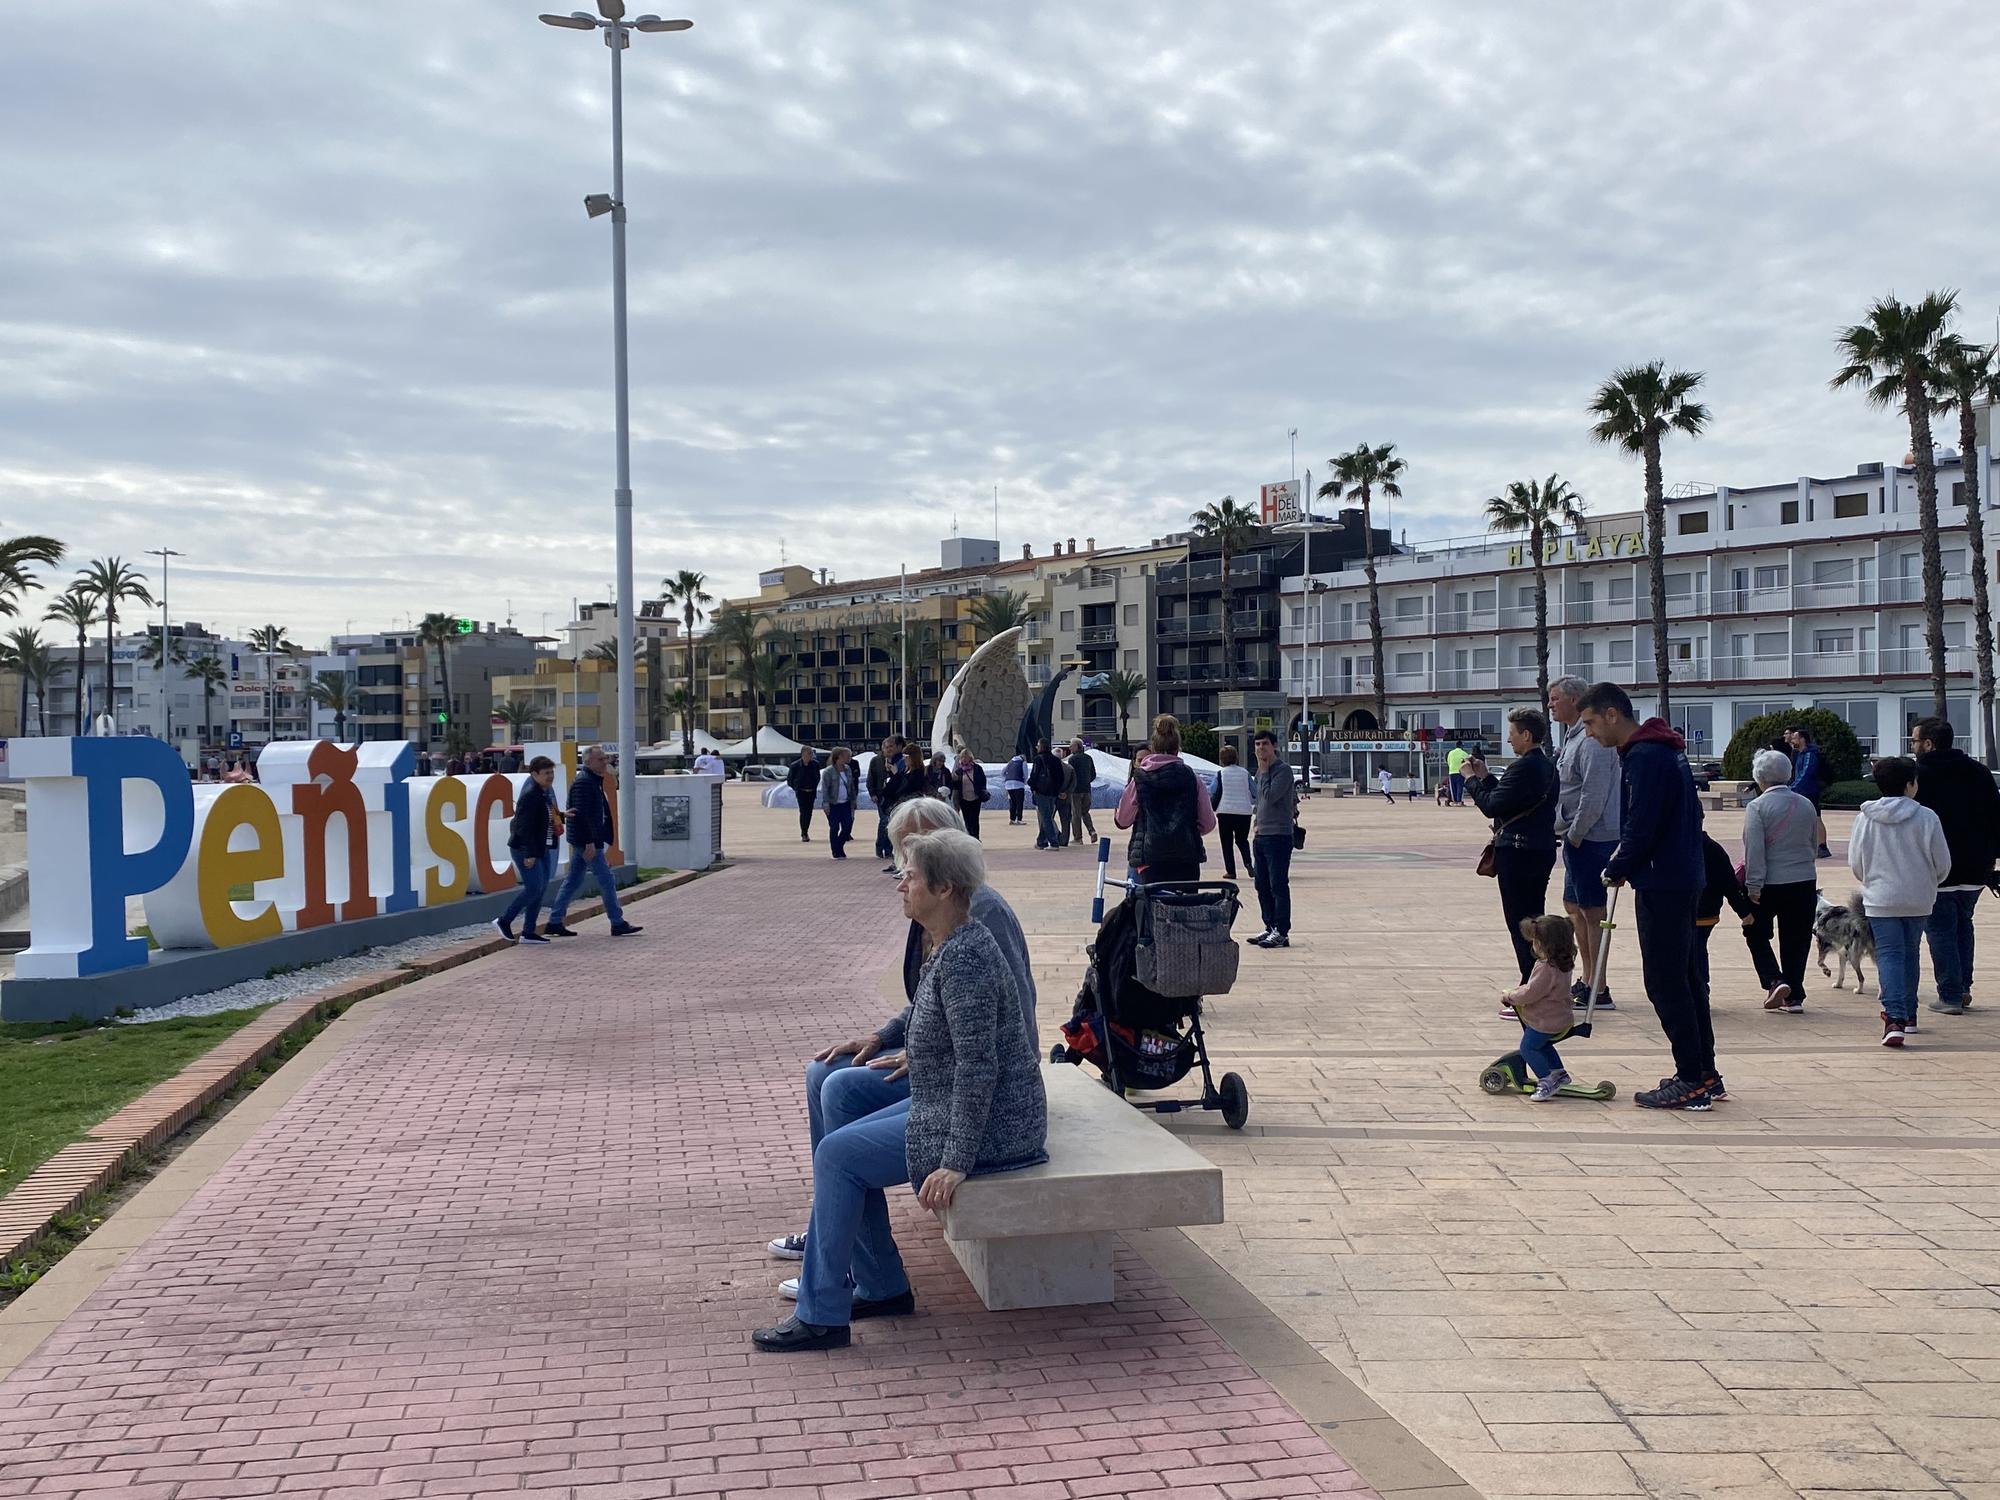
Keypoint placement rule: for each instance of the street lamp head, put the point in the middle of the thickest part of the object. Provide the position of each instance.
(578, 22)
(597, 204)
(611, 10)
(654, 23)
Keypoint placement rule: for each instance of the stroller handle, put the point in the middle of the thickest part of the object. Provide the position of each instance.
(1146, 887)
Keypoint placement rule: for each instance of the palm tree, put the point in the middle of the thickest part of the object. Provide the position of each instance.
(761, 676)
(111, 581)
(603, 651)
(150, 653)
(1543, 509)
(208, 670)
(17, 554)
(271, 642)
(1364, 473)
(518, 714)
(440, 630)
(913, 647)
(994, 614)
(1233, 527)
(1894, 358)
(1636, 408)
(687, 589)
(76, 609)
(330, 690)
(24, 651)
(735, 632)
(1124, 688)
(1971, 377)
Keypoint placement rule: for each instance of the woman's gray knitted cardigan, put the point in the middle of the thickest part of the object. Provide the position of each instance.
(976, 1100)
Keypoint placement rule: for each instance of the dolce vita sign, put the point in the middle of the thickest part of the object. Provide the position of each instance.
(331, 834)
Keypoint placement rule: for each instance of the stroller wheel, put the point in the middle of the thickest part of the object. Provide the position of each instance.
(1235, 1101)
(1496, 1081)
(1058, 1053)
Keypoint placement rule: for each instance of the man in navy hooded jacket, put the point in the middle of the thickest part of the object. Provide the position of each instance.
(1659, 855)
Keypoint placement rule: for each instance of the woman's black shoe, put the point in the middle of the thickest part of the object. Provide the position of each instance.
(556, 929)
(795, 1337)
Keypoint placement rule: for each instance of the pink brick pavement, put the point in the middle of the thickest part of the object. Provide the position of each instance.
(512, 1240)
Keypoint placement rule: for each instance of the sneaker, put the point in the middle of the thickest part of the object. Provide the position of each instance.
(1279, 940)
(1674, 1094)
(789, 1288)
(788, 1247)
(1824, 853)
(625, 929)
(1892, 1031)
(556, 929)
(534, 937)
(1507, 1012)
(1579, 996)
(892, 870)
(503, 929)
(1718, 1091)
(1795, 1006)
(1965, 1000)
(1910, 1028)
(1947, 1007)
(1263, 937)
(1777, 995)
(1545, 1089)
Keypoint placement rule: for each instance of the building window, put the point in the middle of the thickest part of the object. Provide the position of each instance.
(1788, 512)
(1620, 590)
(1583, 653)
(1524, 655)
(1131, 614)
(1409, 662)
(1525, 595)
(1833, 570)
(1067, 620)
(1771, 645)
(1847, 507)
(1775, 577)
(1621, 653)
(1131, 661)
(1483, 600)
(1832, 642)
(1693, 522)
(1958, 492)
(1485, 658)
(1410, 607)
(1069, 708)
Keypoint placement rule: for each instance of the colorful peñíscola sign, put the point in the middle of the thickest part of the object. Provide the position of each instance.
(331, 833)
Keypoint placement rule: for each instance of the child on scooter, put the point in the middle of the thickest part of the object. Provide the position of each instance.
(1543, 1004)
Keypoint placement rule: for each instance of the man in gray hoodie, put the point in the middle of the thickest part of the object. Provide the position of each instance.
(1588, 781)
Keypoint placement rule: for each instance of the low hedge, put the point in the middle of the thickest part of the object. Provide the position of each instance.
(1839, 750)
(1849, 794)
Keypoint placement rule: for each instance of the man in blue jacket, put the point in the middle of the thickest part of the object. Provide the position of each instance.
(587, 826)
(1808, 777)
(1659, 855)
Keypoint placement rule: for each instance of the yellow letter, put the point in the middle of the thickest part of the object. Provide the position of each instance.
(221, 867)
(446, 845)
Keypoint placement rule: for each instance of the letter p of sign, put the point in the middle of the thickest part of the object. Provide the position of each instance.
(107, 819)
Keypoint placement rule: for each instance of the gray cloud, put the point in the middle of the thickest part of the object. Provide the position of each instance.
(311, 297)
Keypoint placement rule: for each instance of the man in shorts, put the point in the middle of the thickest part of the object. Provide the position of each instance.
(1588, 782)
(1454, 766)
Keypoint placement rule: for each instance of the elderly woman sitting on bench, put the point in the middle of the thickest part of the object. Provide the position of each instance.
(976, 1106)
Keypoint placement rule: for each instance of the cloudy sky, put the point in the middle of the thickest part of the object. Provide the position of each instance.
(309, 294)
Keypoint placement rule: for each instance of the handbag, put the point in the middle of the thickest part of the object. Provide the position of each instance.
(1298, 836)
(1487, 865)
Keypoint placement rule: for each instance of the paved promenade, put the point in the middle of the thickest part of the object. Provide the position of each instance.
(511, 1239)
(511, 1236)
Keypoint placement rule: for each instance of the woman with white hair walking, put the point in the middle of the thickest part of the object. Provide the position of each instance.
(976, 1106)
(1780, 849)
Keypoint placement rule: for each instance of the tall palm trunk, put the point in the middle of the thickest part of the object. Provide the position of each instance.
(82, 674)
(110, 691)
(1982, 608)
(687, 719)
(1916, 402)
(1536, 537)
(1374, 610)
(444, 679)
(1228, 626)
(271, 686)
(1656, 567)
(207, 709)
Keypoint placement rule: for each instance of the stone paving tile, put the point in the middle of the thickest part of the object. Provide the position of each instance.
(511, 1240)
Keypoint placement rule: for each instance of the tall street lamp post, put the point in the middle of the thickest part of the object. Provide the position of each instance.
(617, 31)
(1307, 523)
(166, 707)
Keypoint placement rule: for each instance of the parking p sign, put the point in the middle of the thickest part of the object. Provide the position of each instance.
(236, 739)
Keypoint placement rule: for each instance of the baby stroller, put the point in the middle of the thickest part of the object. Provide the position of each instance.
(1138, 1016)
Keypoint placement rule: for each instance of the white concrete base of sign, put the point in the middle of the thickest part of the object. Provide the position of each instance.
(1043, 1236)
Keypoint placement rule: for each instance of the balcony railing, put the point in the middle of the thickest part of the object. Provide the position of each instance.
(1207, 572)
(1247, 672)
(1098, 635)
(1191, 627)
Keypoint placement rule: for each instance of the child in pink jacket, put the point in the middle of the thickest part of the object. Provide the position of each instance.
(1543, 1004)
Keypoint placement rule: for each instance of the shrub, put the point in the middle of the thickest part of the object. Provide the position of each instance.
(1198, 739)
(1839, 750)
(1849, 794)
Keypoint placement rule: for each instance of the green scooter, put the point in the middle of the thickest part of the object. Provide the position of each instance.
(1510, 1075)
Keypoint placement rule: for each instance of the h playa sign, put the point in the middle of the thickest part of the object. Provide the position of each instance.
(331, 834)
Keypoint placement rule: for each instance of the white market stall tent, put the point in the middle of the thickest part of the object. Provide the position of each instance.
(769, 742)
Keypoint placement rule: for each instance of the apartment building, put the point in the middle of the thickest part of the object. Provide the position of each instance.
(1807, 593)
(145, 697)
(1095, 609)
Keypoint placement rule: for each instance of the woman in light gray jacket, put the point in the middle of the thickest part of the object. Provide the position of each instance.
(839, 793)
(1780, 876)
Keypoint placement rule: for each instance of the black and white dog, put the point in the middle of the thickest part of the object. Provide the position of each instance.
(1844, 932)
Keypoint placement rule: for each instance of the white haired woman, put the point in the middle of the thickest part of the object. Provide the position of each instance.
(976, 1106)
(1780, 849)
(839, 1088)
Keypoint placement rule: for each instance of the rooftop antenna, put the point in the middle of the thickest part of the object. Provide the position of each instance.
(996, 518)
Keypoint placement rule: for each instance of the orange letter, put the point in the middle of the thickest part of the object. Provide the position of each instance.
(332, 791)
(495, 788)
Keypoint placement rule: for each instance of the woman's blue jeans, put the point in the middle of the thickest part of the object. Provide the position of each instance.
(849, 1249)
(1897, 949)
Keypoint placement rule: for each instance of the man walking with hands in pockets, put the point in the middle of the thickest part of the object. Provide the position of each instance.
(588, 829)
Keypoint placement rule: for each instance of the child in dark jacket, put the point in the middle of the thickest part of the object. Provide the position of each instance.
(1719, 885)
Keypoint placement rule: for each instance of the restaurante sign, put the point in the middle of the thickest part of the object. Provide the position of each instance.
(331, 833)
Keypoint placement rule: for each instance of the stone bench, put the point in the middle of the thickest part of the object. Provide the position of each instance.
(1044, 1236)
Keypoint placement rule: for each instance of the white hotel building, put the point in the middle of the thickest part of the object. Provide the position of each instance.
(1780, 596)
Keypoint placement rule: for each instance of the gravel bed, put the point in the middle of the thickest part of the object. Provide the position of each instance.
(305, 981)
